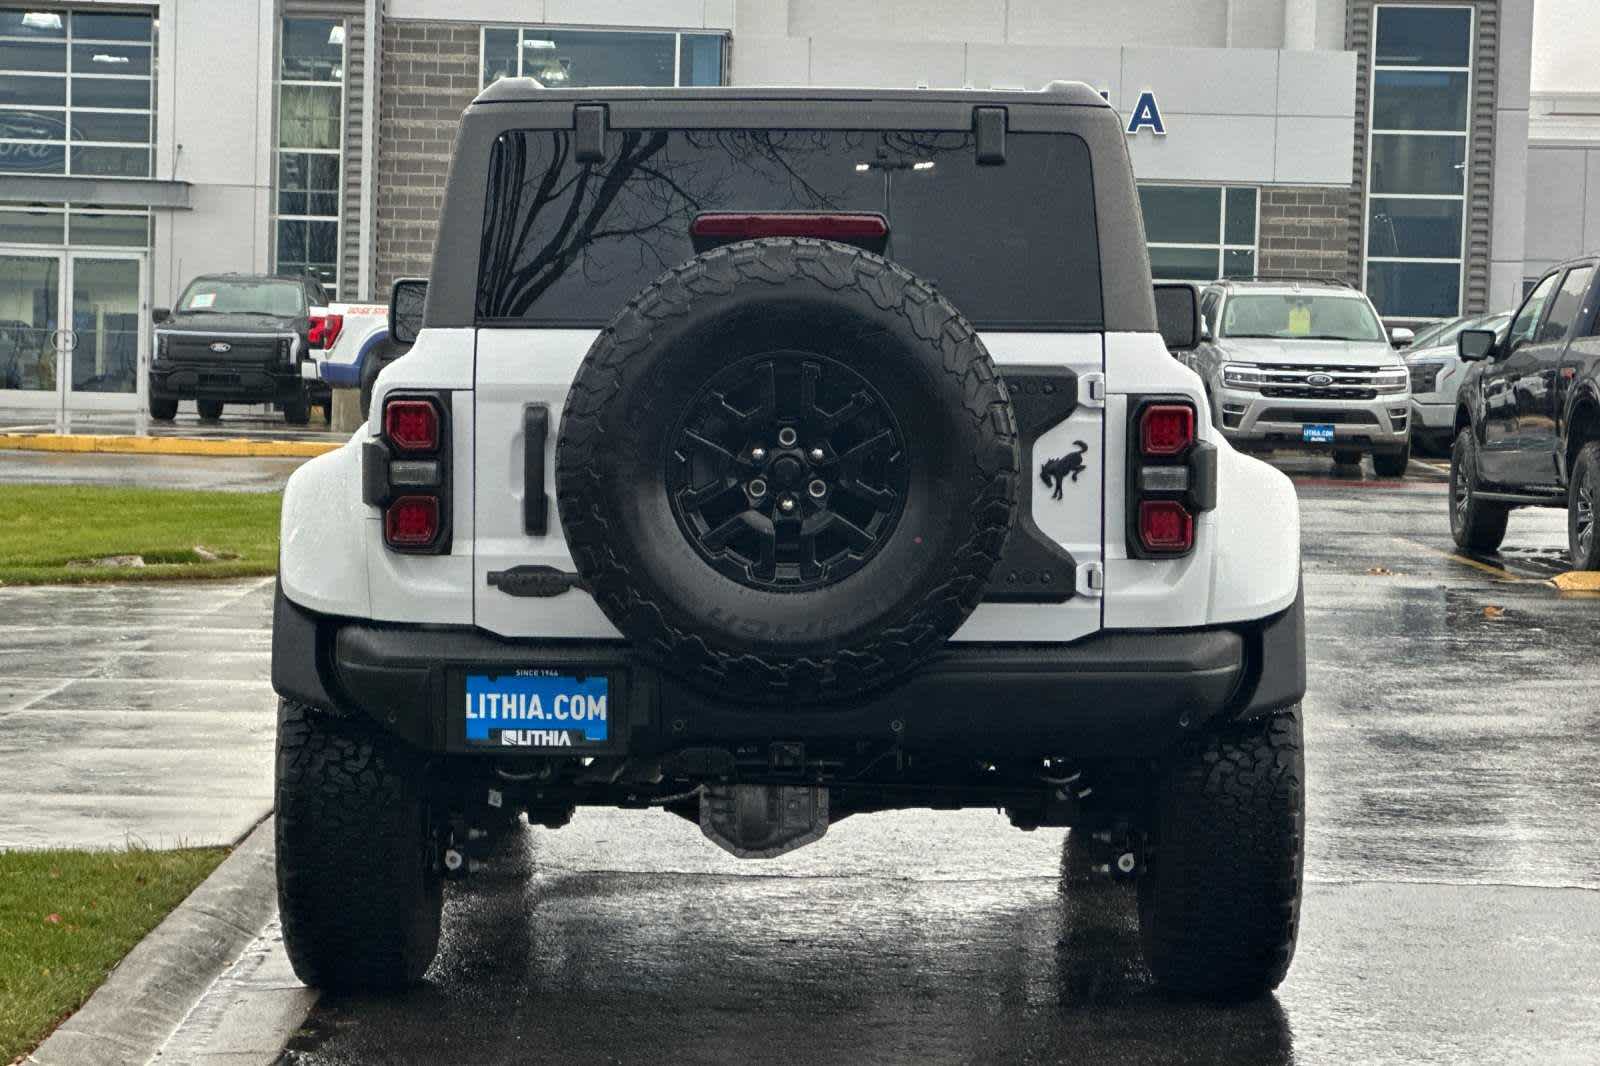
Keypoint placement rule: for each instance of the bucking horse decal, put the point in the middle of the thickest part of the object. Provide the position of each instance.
(1055, 472)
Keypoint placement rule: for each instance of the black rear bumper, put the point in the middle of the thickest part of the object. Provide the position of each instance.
(1116, 694)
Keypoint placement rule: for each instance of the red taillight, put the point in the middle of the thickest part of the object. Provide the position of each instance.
(411, 522)
(1166, 429)
(1165, 526)
(324, 330)
(731, 226)
(411, 425)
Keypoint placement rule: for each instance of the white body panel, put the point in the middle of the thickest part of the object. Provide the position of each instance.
(1074, 521)
(1245, 564)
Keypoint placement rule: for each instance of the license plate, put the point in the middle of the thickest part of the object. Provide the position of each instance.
(536, 709)
(1320, 433)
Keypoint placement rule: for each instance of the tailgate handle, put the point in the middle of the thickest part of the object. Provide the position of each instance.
(535, 505)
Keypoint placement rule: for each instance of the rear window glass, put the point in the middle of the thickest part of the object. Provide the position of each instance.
(567, 244)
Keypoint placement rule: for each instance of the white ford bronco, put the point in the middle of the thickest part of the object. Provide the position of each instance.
(774, 456)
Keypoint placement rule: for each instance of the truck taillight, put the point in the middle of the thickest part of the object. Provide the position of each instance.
(412, 425)
(406, 473)
(324, 330)
(1166, 429)
(1172, 476)
(411, 522)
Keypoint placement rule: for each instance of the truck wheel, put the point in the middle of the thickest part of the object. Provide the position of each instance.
(786, 470)
(1583, 492)
(1219, 901)
(210, 410)
(1477, 525)
(1346, 458)
(1392, 464)
(163, 410)
(360, 888)
(297, 412)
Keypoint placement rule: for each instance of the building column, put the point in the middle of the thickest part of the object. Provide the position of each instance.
(1300, 25)
(1509, 214)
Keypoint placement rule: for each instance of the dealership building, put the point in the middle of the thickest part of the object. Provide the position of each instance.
(1382, 143)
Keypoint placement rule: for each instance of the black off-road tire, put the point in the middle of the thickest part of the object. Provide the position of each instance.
(1476, 524)
(1392, 464)
(210, 410)
(360, 889)
(1346, 457)
(297, 412)
(1219, 901)
(163, 410)
(782, 299)
(1583, 497)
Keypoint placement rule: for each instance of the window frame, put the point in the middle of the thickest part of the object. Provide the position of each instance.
(1223, 246)
(677, 35)
(279, 150)
(66, 211)
(1465, 135)
(68, 42)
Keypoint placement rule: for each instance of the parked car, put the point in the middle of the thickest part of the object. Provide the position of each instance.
(238, 338)
(1436, 373)
(1527, 418)
(825, 539)
(1304, 364)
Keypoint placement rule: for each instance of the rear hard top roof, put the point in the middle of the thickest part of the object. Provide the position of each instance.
(528, 90)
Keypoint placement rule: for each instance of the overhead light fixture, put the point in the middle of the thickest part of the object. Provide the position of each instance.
(926, 164)
(41, 20)
(101, 57)
(336, 35)
(863, 166)
(538, 42)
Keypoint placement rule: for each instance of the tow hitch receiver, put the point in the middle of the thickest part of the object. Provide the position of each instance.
(763, 821)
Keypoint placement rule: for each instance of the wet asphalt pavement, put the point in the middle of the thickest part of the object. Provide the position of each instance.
(1452, 907)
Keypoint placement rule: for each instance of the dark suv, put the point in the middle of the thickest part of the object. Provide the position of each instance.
(238, 338)
(1527, 426)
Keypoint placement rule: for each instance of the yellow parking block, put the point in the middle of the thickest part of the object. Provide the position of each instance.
(130, 445)
(1577, 581)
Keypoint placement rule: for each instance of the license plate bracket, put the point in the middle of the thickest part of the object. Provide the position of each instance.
(523, 710)
(1317, 433)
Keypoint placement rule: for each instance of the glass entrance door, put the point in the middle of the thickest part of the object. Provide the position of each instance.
(105, 350)
(71, 331)
(31, 337)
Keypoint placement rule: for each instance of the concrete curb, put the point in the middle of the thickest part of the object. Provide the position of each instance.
(127, 445)
(152, 990)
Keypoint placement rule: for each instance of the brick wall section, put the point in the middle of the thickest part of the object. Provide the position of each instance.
(430, 74)
(1305, 231)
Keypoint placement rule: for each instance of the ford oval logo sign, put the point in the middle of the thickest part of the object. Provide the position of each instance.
(1319, 380)
(222, 346)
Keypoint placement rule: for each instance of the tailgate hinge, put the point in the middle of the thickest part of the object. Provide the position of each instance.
(1091, 579)
(1092, 389)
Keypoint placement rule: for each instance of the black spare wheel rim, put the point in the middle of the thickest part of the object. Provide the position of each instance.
(786, 470)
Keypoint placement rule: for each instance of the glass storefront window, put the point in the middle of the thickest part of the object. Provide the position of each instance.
(567, 58)
(1200, 232)
(83, 77)
(1417, 158)
(310, 148)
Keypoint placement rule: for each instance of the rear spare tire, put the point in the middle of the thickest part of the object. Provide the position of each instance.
(786, 470)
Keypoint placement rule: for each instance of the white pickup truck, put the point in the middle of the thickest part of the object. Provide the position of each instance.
(349, 344)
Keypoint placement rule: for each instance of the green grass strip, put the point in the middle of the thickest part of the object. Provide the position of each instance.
(68, 917)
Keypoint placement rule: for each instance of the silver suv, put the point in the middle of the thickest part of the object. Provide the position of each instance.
(1304, 364)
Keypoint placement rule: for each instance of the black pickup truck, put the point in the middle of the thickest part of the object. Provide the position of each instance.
(1527, 427)
(238, 338)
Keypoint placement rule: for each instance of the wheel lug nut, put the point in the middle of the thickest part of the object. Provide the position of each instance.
(816, 455)
(786, 505)
(758, 454)
(817, 489)
(758, 488)
(787, 436)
